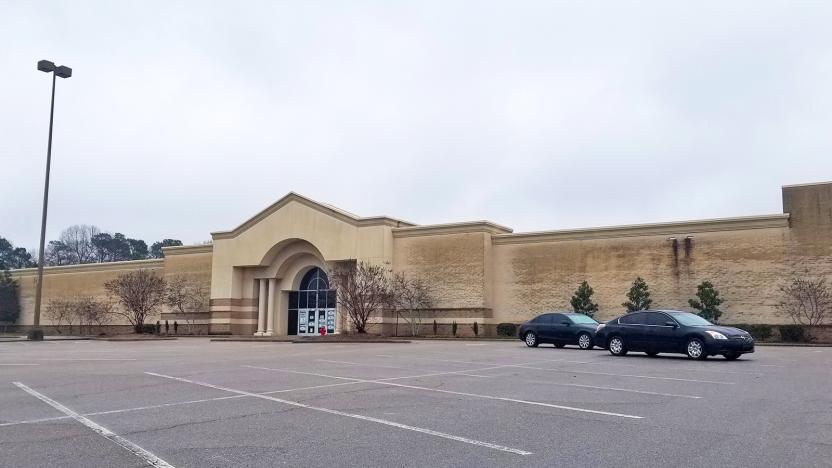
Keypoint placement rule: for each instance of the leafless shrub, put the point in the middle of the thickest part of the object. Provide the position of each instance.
(411, 297)
(187, 297)
(363, 290)
(141, 293)
(806, 301)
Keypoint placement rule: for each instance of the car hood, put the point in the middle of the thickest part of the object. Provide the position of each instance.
(727, 331)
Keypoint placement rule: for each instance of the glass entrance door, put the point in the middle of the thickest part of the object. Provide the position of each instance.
(312, 306)
(310, 321)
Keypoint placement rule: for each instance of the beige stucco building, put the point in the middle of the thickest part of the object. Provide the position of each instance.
(268, 275)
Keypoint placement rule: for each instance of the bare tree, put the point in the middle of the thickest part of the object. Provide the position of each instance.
(806, 302)
(411, 297)
(140, 292)
(78, 241)
(187, 296)
(61, 312)
(363, 290)
(94, 312)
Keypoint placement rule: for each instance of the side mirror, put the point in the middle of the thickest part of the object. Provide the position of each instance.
(671, 324)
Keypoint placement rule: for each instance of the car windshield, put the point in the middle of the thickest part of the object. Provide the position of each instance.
(690, 320)
(581, 318)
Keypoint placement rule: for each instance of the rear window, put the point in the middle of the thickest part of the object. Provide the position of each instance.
(545, 318)
(581, 318)
(638, 318)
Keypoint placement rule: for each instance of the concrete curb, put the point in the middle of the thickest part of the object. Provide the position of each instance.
(46, 338)
(796, 345)
(306, 340)
(166, 338)
(461, 338)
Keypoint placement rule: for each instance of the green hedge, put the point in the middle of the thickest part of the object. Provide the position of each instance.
(506, 329)
(760, 332)
(793, 333)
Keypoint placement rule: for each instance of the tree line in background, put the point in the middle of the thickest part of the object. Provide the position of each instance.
(83, 243)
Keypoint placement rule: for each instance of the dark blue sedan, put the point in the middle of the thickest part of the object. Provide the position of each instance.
(560, 329)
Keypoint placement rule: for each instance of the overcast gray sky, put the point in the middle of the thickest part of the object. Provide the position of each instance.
(183, 118)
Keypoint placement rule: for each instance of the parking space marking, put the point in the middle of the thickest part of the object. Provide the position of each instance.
(685, 368)
(635, 376)
(84, 359)
(361, 364)
(432, 374)
(597, 387)
(472, 395)
(4, 364)
(385, 422)
(178, 403)
(143, 454)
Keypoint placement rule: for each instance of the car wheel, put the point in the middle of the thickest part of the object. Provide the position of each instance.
(695, 349)
(531, 340)
(584, 341)
(559, 345)
(617, 346)
(732, 356)
(652, 353)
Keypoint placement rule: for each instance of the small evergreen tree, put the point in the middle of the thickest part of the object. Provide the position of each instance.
(582, 300)
(453, 327)
(9, 299)
(708, 303)
(476, 328)
(435, 328)
(638, 298)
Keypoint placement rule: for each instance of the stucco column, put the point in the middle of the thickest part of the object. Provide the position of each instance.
(271, 307)
(261, 308)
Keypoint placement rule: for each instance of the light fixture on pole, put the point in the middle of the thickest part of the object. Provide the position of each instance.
(63, 72)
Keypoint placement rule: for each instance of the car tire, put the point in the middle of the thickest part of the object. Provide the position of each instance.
(652, 353)
(617, 346)
(559, 345)
(732, 356)
(584, 341)
(695, 349)
(531, 340)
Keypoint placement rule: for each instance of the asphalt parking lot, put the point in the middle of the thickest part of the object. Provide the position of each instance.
(197, 403)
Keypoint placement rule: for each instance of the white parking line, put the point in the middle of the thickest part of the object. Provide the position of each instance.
(634, 376)
(473, 395)
(385, 422)
(143, 454)
(675, 368)
(596, 387)
(1, 364)
(84, 359)
(362, 365)
(165, 405)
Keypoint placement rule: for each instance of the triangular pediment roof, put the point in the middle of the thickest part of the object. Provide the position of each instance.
(324, 208)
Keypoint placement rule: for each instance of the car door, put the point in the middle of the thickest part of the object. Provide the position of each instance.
(544, 328)
(635, 329)
(664, 337)
(561, 328)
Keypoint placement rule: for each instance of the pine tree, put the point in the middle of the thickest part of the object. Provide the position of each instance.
(708, 303)
(9, 299)
(638, 296)
(582, 300)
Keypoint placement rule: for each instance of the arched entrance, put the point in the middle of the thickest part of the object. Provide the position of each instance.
(312, 306)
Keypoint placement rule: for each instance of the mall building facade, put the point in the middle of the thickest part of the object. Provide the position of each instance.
(269, 275)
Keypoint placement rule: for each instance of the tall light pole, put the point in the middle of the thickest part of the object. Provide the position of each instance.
(63, 72)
